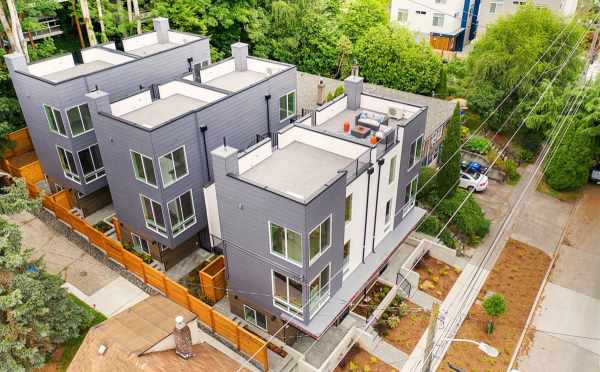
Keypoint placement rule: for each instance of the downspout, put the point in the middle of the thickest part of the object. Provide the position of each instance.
(369, 172)
(380, 163)
(267, 99)
(203, 128)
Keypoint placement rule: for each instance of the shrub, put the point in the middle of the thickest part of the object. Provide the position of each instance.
(571, 162)
(479, 144)
(464, 133)
(526, 156)
(335, 93)
(428, 193)
(494, 306)
(469, 220)
(510, 167)
(432, 226)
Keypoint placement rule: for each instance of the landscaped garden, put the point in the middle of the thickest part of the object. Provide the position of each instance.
(192, 281)
(359, 360)
(436, 278)
(402, 324)
(371, 300)
(516, 277)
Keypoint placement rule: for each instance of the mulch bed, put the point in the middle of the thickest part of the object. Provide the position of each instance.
(410, 329)
(368, 303)
(357, 359)
(436, 278)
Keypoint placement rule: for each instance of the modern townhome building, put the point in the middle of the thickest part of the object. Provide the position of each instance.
(447, 24)
(309, 218)
(52, 93)
(155, 144)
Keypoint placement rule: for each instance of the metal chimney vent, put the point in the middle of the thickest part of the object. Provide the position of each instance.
(197, 76)
(77, 57)
(119, 44)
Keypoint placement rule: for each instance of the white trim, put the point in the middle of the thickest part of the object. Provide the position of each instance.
(73, 135)
(163, 234)
(321, 249)
(144, 181)
(417, 160)
(185, 225)
(322, 300)
(286, 104)
(187, 170)
(256, 318)
(54, 115)
(63, 169)
(287, 288)
(96, 171)
(285, 257)
(133, 236)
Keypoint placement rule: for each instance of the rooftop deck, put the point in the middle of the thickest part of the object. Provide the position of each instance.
(286, 169)
(163, 110)
(152, 49)
(236, 80)
(78, 70)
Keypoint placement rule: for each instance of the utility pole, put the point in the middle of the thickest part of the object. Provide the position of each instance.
(435, 311)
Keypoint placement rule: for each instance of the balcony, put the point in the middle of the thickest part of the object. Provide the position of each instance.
(48, 27)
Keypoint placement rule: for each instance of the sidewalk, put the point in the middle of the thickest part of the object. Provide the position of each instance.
(85, 277)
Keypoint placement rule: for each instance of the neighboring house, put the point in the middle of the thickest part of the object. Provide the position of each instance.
(447, 24)
(309, 218)
(439, 111)
(490, 10)
(141, 338)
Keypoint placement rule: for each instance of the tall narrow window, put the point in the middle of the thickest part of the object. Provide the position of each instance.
(153, 215)
(67, 162)
(173, 166)
(346, 255)
(438, 19)
(392, 174)
(285, 243)
(402, 16)
(143, 168)
(287, 106)
(181, 212)
(80, 119)
(287, 294)
(320, 239)
(139, 244)
(348, 209)
(410, 193)
(388, 212)
(319, 291)
(416, 149)
(55, 122)
(91, 163)
(255, 317)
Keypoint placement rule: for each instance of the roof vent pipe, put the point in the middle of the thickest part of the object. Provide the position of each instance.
(321, 92)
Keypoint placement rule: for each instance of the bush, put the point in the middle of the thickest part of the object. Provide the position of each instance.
(464, 133)
(526, 156)
(494, 306)
(471, 120)
(428, 193)
(479, 144)
(571, 162)
(432, 226)
(335, 93)
(469, 221)
(510, 167)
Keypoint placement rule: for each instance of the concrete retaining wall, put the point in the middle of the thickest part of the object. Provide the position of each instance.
(493, 174)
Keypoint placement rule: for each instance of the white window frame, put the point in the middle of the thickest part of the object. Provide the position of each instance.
(405, 13)
(187, 171)
(293, 112)
(156, 229)
(53, 109)
(255, 323)
(80, 118)
(498, 4)
(437, 18)
(287, 286)
(145, 179)
(321, 249)
(277, 254)
(392, 174)
(135, 236)
(96, 170)
(75, 177)
(414, 154)
(190, 221)
(321, 299)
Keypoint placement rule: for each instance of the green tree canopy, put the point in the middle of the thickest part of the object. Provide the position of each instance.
(449, 160)
(360, 15)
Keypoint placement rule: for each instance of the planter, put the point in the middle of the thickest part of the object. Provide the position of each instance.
(369, 302)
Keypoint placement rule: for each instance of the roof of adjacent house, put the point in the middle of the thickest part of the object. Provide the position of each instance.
(134, 331)
(439, 111)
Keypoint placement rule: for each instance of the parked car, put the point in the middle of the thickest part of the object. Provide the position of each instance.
(595, 174)
(472, 166)
(473, 181)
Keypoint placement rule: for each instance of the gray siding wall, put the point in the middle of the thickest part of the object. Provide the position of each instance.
(119, 81)
(411, 132)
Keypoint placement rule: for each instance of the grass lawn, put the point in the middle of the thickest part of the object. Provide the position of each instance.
(566, 196)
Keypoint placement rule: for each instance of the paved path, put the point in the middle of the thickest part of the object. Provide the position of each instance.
(568, 318)
(85, 277)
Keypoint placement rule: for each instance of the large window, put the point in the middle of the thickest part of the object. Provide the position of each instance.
(348, 209)
(402, 16)
(320, 239)
(139, 244)
(67, 162)
(173, 166)
(410, 193)
(416, 149)
(143, 168)
(319, 291)
(392, 174)
(287, 294)
(181, 212)
(285, 243)
(255, 317)
(287, 106)
(55, 122)
(91, 163)
(153, 215)
(438, 19)
(80, 119)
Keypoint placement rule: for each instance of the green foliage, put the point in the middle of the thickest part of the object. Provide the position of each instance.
(469, 221)
(464, 133)
(432, 226)
(526, 156)
(478, 144)
(360, 15)
(335, 93)
(571, 162)
(44, 49)
(442, 88)
(428, 193)
(15, 198)
(449, 159)
(510, 167)
(390, 56)
(457, 78)
(11, 117)
(495, 305)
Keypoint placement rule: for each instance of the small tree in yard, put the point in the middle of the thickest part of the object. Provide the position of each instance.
(494, 306)
(447, 178)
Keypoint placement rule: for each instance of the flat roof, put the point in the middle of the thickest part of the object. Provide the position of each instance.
(163, 110)
(286, 169)
(77, 70)
(236, 80)
(152, 49)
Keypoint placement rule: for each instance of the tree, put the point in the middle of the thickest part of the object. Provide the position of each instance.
(571, 162)
(390, 56)
(11, 117)
(494, 306)
(442, 88)
(36, 313)
(360, 15)
(447, 178)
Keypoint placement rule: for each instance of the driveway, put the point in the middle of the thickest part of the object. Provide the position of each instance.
(85, 277)
(567, 319)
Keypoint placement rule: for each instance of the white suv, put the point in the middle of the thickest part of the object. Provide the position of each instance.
(473, 181)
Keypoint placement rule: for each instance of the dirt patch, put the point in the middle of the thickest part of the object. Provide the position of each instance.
(410, 328)
(357, 359)
(53, 365)
(517, 275)
(369, 302)
(436, 278)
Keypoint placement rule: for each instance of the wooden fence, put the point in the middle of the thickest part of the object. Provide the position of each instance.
(22, 143)
(212, 279)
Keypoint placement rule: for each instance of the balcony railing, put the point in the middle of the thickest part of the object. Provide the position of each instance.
(49, 27)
